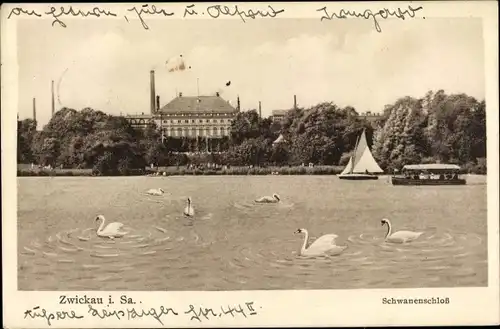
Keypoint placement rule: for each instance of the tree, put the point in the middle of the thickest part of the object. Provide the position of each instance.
(26, 130)
(280, 154)
(254, 151)
(435, 128)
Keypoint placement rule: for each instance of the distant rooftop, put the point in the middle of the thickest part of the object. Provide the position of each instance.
(368, 114)
(279, 112)
(197, 104)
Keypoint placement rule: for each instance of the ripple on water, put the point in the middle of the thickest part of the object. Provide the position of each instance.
(432, 252)
(251, 206)
(141, 248)
(95, 253)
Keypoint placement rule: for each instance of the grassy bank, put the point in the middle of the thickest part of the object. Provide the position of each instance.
(184, 171)
(243, 171)
(54, 172)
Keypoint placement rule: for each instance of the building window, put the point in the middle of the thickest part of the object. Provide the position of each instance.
(178, 121)
(201, 120)
(208, 120)
(186, 121)
(192, 121)
(223, 131)
(215, 131)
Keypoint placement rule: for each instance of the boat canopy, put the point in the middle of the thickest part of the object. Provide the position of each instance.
(432, 167)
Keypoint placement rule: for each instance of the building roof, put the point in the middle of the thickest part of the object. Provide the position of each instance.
(198, 104)
(279, 112)
(432, 166)
(139, 116)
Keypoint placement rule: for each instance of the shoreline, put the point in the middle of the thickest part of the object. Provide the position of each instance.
(183, 171)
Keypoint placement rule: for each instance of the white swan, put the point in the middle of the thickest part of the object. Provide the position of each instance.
(323, 245)
(111, 231)
(400, 236)
(268, 199)
(189, 210)
(153, 191)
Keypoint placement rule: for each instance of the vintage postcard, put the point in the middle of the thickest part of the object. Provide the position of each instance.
(250, 164)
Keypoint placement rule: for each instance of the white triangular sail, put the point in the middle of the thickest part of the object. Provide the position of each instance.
(362, 160)
(347, 168)
(367, 163)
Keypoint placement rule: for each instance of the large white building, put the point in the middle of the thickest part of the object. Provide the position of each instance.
(196, 116)
(189, 116)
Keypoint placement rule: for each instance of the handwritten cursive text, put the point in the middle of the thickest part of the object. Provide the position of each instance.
(368, 14)
(152, 312)
(36, 312)
(217, 10)
(200, 313)
(145, 9)
(18, 11)
(56, 13)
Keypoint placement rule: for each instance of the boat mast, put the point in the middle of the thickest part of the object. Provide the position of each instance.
(353, 157)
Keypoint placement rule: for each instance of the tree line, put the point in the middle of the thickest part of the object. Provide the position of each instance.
(435, 128)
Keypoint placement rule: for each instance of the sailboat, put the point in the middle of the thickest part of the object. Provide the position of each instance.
(361, 165)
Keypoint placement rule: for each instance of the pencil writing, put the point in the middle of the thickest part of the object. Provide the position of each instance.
(37, 312)
(145, 9)
(18, 11)
(216, 11)
(195, 313)
(368, 14)
(62, 11)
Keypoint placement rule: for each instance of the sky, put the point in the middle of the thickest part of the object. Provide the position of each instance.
(105, 65)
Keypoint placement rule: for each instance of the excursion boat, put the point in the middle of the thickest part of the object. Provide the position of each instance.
(361, 165)
(429, 174)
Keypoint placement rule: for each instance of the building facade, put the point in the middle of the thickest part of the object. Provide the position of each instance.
(190, 117)
(196, 116)
(278, 115)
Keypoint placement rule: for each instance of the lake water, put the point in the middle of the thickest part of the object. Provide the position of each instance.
(233, 244)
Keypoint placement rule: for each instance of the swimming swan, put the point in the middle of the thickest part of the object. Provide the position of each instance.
(153, 191)
(323, 245)
(111, 231)
(400, 236)
(267, 199)
(189, 210)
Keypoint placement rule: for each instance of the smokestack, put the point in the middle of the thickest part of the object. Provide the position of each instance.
(158, 103)
(152, 91)
(260, 110)
(294, 101)
(34, 109)
(238, 104)
(53, 102)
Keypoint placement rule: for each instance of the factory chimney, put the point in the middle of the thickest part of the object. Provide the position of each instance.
(295, 101)
(34, 110)
(53, 102)
(157, 103)
(260, 110)
(238, 104)
(152, 91)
